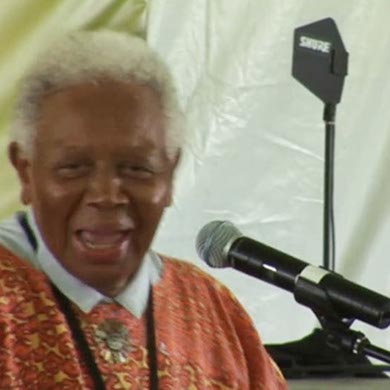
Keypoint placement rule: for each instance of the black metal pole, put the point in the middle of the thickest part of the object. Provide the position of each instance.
(376, 352)
(328, 216)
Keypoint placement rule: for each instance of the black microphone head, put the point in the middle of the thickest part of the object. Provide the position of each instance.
(214, 241)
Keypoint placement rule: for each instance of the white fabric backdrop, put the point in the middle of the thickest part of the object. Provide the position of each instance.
(256, 156)
(258, 138)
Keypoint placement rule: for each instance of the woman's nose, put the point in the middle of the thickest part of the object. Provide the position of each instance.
(106, 190)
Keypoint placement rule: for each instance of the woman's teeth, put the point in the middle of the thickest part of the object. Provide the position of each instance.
(95, 240)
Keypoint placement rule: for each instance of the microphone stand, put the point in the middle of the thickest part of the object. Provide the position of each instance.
(335, 349)
(338, 334)
(328, 219)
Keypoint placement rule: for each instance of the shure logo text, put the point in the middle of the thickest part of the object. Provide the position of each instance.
(315, 44)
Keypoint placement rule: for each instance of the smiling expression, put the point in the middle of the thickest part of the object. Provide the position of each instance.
(99, 179)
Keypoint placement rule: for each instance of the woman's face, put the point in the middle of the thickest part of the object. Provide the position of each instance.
(99, 179)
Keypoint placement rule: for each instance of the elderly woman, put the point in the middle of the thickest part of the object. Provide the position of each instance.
(84, 302)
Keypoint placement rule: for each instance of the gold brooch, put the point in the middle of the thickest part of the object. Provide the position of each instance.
(114, 339)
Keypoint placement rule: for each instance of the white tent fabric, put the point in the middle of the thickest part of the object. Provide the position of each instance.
(257, 142)
(257, 136)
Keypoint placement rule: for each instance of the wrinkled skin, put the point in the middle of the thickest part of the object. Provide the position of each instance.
(99, 179)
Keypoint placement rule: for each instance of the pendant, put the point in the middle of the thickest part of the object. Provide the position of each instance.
(114, 340)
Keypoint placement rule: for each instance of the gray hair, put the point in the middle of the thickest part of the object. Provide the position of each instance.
(91, 56)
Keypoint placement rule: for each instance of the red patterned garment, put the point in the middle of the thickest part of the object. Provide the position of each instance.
(205, 340)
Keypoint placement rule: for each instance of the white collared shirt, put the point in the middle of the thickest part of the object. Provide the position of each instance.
(134, 297)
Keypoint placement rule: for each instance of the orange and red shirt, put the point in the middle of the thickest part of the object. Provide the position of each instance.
(205, 340)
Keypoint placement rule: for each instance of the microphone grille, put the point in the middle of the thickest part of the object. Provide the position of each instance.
(214, 241)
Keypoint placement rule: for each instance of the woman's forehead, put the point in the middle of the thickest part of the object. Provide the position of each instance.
(109, 116)
(122, 95)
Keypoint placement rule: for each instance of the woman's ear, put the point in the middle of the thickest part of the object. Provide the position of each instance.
(176, 160)
(22, 166)
(175, 163)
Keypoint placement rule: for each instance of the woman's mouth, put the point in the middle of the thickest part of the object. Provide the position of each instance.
(98, 240)
(102, 246)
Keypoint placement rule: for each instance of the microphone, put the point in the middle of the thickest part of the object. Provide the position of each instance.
(220, 244)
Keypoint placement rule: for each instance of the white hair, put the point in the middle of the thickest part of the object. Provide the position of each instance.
(92, 56)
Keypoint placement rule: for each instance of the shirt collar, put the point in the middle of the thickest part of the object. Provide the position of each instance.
(134, 297)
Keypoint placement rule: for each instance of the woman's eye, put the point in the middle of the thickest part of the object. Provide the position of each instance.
(72, 169)
(137, 170)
